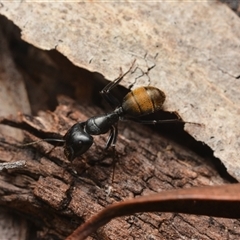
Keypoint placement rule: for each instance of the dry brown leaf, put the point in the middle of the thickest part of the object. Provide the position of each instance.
(192, 47)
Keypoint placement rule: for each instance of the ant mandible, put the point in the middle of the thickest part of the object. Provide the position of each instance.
(138, 102)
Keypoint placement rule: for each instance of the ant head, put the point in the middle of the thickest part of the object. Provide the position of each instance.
(77, 141)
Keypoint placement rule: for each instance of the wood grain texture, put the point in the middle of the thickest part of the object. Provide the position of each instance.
(60, 195)
(187, 49)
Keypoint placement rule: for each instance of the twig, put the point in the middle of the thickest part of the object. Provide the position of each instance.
(218, 201)
(11, 165)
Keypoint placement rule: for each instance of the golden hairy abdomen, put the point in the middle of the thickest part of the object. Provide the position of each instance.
(143, 101)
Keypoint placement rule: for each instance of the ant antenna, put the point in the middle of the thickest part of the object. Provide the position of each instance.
(43, 140)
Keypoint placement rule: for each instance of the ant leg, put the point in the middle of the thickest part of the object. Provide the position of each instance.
(153, 122)
(106, 90)
(112, 137)
(115, 82)
(111, 142)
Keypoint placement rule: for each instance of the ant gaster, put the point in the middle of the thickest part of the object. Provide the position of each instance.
(138, 102)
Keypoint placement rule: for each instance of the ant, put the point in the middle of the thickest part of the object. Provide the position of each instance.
(137, 103)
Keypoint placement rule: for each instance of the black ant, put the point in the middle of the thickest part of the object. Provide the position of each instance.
(137, 103)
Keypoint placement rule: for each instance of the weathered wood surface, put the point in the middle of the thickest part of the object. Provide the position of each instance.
(187, 49)
(57, 196)
(53, 195)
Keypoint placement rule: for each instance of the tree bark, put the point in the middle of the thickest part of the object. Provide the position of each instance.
(58, 196)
